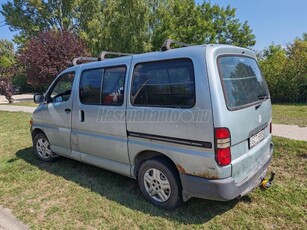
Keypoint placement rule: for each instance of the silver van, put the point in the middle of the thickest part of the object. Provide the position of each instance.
(193, 121)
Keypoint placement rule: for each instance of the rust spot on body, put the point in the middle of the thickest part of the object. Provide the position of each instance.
(205, 175)
(180, 169)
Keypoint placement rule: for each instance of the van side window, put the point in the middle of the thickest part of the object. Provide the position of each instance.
(113, 86)
(164, 84)
(90, 86)
(103, 86)
(62, 90)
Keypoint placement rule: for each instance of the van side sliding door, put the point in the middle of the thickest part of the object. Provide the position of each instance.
(99, 134)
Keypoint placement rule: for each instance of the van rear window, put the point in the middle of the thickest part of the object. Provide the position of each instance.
(242, 81)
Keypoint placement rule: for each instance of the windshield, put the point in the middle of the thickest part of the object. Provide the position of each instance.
(243, 83)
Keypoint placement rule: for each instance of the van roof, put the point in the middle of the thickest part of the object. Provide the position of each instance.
(194, 48)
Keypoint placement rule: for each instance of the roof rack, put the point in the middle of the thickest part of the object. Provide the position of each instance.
(86, 59)
(104, 53)
(167, 44)
(102, 56)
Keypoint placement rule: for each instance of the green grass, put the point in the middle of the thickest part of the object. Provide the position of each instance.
(290, 114)
(25, 103)
(68, 194)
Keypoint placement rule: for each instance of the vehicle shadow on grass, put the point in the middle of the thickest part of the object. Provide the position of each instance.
(125, 191)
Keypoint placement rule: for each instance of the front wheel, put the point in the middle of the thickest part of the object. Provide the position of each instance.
(160, 184)
(42, 149)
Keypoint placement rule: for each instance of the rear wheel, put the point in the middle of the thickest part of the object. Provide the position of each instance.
(160, 184)
(42, 148)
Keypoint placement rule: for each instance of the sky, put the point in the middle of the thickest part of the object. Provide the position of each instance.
(277, 21)
(272, 21)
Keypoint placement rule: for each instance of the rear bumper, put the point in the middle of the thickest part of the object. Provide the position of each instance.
(223, 189)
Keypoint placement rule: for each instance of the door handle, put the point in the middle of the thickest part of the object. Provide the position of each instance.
(81, 115)
(67, 110)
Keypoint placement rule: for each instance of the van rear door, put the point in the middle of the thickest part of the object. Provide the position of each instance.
(241, 103)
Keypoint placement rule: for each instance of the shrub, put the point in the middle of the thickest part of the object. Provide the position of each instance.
(43, 57)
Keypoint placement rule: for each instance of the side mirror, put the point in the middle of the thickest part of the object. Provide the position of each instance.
(38, 98)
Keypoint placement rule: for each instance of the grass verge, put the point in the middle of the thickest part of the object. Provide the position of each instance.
(68, 194)
(290, 114)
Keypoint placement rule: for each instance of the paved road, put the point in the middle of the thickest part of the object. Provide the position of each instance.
(17, 98)
(9, 222)
(17, 108)
(290, 131)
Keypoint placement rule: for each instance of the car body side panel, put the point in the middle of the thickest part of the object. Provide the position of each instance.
(188, 159)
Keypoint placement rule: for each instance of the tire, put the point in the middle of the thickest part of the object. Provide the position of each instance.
(159, 182)
(42, 149)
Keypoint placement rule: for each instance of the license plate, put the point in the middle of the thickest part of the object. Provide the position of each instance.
(255, 139)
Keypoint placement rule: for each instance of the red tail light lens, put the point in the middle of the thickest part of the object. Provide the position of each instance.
(222, 133)
(222, 151)
(223, 156)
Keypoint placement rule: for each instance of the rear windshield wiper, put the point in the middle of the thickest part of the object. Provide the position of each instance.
(261, 98)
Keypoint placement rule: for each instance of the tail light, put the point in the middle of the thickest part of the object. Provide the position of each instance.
(222, 150)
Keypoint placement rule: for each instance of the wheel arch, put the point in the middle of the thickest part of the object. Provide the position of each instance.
(150, 154)
(37, 131)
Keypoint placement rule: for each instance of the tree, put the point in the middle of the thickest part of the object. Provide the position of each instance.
(185, 21)
(297, 69)
(91, 26)
(7, 68)
(285, 70)
(43, 57)
(273, 66)
(120, 25)
(128, 26)
(103, 24)
(32, 17)
(7, 55)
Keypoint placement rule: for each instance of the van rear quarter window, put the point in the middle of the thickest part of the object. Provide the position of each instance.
(242, 81)
(167, 83)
